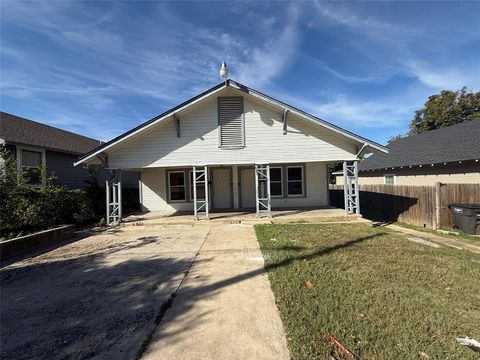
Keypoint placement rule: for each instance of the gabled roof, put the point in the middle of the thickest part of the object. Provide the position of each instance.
(22, 131)
(454, 143)
(215, 89)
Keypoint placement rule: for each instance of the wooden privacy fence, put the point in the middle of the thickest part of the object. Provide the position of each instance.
(418, 205)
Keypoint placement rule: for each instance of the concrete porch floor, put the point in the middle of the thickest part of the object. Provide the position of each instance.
(327, 214)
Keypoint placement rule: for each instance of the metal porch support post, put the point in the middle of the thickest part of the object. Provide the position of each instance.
(199, 204)
(107, 190)
(114, 206)
(262, 203)
(113, 189)
(119, 195)
(205, 169)
(345, 186)
(194, 176)
(268, 191)
(357, 190)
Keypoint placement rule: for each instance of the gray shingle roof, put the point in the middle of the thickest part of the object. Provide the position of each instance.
(459, 142)
(27, 132)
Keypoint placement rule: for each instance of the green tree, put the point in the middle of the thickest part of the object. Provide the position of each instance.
(445, 109)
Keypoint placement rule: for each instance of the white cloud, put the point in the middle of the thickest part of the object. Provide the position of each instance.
(399, 48)
(388, 112)
(266, 62)
(445, 77)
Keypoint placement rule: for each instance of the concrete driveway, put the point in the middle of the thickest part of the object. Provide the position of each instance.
(107, 296)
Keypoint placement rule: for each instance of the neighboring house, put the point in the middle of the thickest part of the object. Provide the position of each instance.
(34, 144)
(236, 133)
(338, 177)
(446, 155)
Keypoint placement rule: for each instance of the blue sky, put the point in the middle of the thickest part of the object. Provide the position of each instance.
(101, 68)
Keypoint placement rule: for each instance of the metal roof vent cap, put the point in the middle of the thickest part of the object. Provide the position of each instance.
(224, 71)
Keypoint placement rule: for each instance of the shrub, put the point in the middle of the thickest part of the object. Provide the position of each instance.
(26, 208)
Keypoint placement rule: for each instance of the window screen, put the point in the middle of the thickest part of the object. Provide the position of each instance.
(295, 180)
(230, 121)
(276, 181)
(31, 162)
(389, 179)
(176, 182)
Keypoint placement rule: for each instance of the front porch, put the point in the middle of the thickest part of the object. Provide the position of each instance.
(283, 191)
(306, 215)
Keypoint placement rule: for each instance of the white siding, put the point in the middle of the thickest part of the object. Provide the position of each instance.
(154, 191)
(198, 141)
(316, 189)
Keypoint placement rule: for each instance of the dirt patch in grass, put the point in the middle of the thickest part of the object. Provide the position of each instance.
(381, 295)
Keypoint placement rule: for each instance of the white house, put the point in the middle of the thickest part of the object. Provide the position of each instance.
(253, 151)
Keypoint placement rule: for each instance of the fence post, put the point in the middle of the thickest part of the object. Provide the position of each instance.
(438, 205)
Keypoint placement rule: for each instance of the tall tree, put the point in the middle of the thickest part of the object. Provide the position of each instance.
(445, 109)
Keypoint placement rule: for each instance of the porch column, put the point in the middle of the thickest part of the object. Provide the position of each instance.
(351, 191)
(200, 177)
(235, 190)
(113, 189)
(262, 190)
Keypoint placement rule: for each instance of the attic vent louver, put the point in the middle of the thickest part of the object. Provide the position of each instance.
(231, 122)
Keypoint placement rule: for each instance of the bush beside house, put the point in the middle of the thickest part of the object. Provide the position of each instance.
(26, 208)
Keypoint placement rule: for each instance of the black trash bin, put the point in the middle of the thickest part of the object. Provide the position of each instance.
(466, 217)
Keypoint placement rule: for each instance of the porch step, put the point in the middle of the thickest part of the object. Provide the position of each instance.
(188, 220)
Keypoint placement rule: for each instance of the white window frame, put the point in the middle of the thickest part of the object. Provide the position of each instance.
(303, 180)
(185, 184)
(281, 181)
(385, 179)
(19, 150)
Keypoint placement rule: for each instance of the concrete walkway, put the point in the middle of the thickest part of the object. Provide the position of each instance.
(443, 240)
(224, 309)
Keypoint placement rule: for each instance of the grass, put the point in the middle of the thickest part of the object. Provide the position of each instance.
(450, 233)
(381, 295)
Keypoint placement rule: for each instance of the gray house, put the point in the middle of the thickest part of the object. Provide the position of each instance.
(34, 144)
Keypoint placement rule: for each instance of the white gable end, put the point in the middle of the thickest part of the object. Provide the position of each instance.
(198, 142)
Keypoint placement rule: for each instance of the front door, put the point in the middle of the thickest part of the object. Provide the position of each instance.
(247, 188)
(222, 189)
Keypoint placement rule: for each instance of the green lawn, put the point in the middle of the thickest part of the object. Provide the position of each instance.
(381, 295)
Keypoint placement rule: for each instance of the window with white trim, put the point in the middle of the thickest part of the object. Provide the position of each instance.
(389, 179)
(177, 186)
(295, 181)
(231, 122)
(276, 181)
(30, 161)
(200, 188)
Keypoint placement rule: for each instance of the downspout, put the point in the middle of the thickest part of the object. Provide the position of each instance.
(285, 117)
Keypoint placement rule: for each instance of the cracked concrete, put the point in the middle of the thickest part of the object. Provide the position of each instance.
(225, 308)
(98, 297)
(94, 298)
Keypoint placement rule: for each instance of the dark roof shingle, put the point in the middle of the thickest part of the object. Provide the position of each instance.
(459, 142)
(18, 130)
